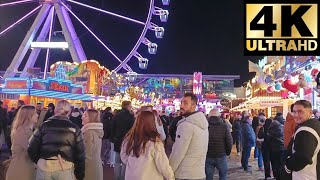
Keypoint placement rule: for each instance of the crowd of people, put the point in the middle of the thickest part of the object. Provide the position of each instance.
(62, 142)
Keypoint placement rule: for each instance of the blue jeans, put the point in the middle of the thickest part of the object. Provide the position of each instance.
(219, 163)
(57, 175)
(245, 157)
(119, 168)
(260, 158)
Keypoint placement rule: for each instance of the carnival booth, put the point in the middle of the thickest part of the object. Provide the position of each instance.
(279, 82)
(50, 90)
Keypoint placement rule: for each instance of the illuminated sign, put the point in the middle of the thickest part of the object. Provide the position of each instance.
(56, 86)
(197, 83)
(16, 84)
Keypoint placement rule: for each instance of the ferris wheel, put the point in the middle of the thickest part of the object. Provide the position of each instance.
(43, 27)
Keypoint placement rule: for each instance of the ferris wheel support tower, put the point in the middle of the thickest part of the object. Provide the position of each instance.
(48, 8)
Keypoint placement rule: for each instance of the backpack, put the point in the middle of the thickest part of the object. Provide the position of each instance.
(259, 141)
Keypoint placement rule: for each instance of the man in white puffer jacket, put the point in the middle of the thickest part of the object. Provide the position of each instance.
(190, 148)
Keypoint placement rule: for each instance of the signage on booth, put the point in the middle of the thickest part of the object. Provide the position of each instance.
(16, 84)
(56, 86)
(224, 102)
(275, 28)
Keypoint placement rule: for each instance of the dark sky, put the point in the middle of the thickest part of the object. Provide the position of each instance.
(201, 35)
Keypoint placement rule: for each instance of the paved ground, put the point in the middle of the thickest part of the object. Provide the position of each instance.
(234, 171)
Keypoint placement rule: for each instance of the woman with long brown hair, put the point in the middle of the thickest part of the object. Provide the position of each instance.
(21, 166)
(143, 151)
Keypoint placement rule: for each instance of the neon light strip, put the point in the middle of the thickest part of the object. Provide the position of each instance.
(104, 45)
(62, 95)
(48, 50)
(50, 45)
(14, 3)
(108, 12)
(20, 20)
(16, 91)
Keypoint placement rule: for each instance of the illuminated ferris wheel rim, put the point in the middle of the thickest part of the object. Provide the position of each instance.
(48, 8)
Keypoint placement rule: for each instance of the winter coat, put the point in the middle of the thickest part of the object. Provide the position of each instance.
(220, 139)
(92, 135)
(190, 148)
(152, 164)
(280, 119)
(275, 136)
(255, 123)
(67, 142)
(173, 127)
(21, 166)
(48, 115)
(236, 128)
(3, 122)
(303, 159)
(289, 128)
(123, 122)
(247, 134)
(76, 119)
(107, 119)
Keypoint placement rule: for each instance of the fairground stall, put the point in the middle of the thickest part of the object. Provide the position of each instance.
(280, 81)
(50, 90)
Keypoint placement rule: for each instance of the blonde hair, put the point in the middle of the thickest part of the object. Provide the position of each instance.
(23, 118)
(63, 108)
(94, 115)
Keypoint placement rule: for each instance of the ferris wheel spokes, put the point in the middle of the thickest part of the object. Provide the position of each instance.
(128, 68)
(15, 3)
(19, 21)
(108, 12)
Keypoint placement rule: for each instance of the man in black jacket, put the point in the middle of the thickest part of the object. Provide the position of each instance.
(60, 141)
(220, 146)
(303, 161)
(236, 129)
(122, 123)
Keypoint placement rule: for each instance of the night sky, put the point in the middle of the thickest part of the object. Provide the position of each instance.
(204, 36)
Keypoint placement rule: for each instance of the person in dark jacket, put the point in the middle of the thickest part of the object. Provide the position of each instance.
(303, 161)
(123, 122)
(248, 141)
(50, 112)
(106, 119)
(219, 147)
(279, 118)
(57, 146)
(262, 134)
(3, 124)
(76, 118)
(276, 140)
(173, 127)
(236, 130)
(255, 124)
